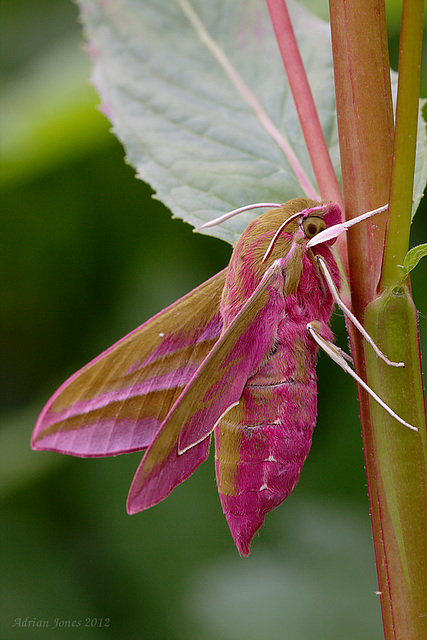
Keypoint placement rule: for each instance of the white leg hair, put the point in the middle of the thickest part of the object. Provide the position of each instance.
(336, 354)
(336, 296)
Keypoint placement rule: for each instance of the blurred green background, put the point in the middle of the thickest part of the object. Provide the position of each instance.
(87, 255)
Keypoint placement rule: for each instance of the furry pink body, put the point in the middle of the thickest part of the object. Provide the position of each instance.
(277, 411)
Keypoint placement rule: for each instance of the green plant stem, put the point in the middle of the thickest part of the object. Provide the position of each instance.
(395, 457)
(405, 140)
(399, 493)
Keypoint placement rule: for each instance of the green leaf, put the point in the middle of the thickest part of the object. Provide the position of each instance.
(186, 127)
(413, 257)
(163, 73)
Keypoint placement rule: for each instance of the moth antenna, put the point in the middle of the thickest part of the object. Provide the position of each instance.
(334, 353)
(282, 226)
(235, 212)
(336, 229)
(336, 296)
(277, 234)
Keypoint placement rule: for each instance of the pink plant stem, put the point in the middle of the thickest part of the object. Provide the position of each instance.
(307, 113)
(395, 461)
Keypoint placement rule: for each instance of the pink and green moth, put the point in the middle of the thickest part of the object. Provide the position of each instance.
(235, 357)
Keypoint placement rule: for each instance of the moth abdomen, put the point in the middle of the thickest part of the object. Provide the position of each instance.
(258, 466)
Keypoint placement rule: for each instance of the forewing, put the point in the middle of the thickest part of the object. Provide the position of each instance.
(183, 439)
(116, 403)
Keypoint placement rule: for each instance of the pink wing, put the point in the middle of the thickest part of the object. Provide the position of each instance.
(215, 388)
(116, 403)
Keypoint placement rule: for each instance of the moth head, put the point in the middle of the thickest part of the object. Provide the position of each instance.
(282, 232)
(305, 224)
(312, 225)
(316, 219)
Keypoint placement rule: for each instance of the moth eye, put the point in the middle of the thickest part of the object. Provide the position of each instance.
(313, 225)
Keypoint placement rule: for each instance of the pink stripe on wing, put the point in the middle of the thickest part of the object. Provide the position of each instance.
(176, 378)
(108, 437)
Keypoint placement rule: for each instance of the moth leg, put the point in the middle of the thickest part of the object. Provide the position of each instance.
(336, 354)
(336, 296)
